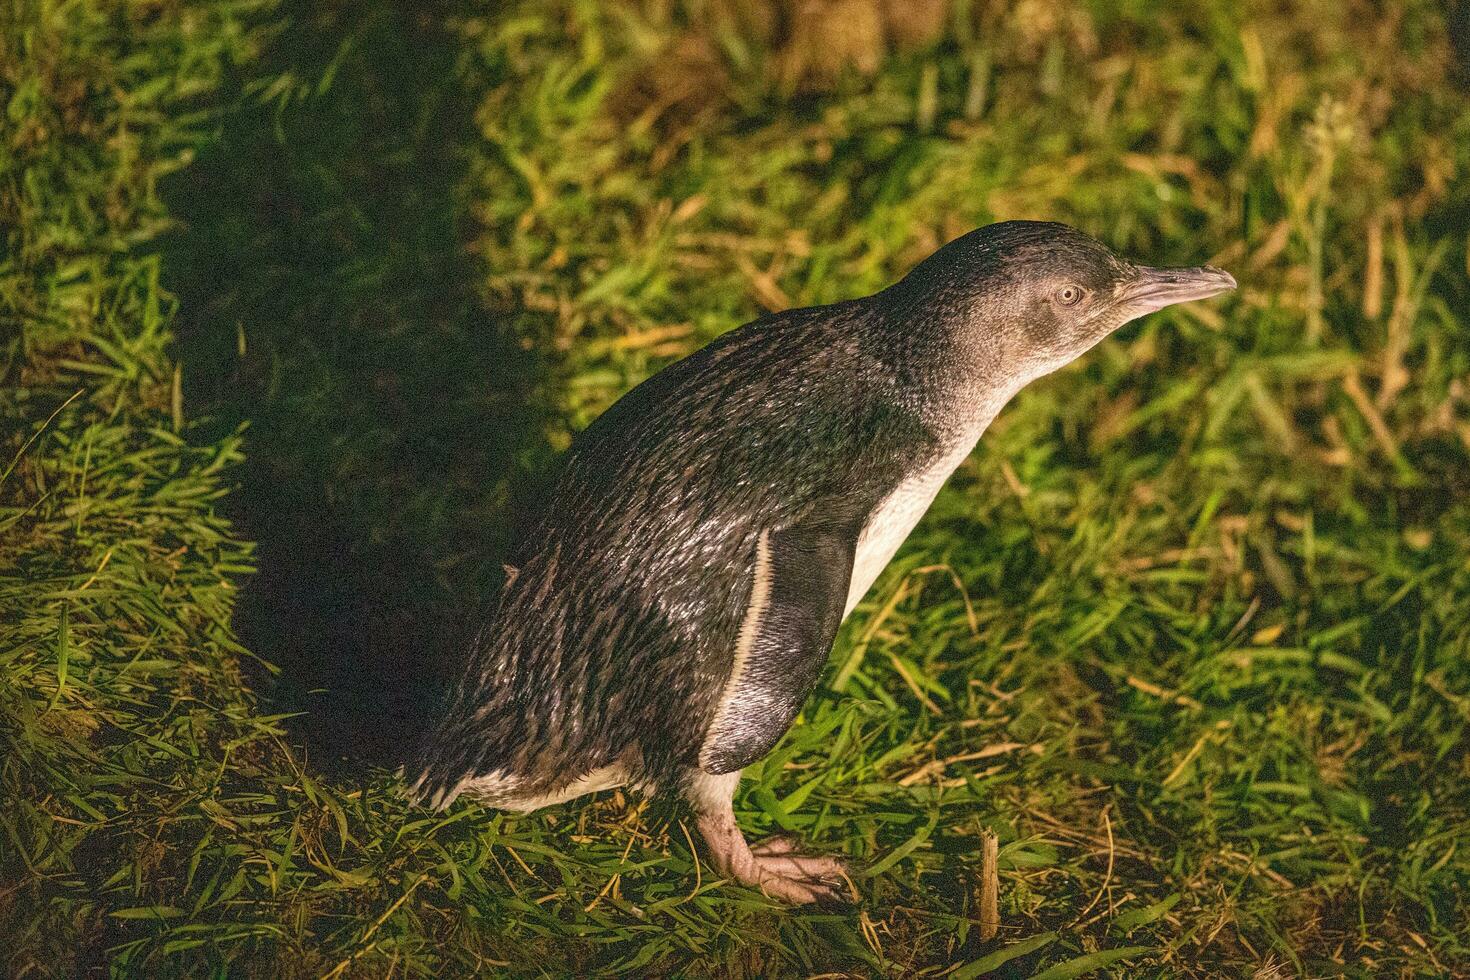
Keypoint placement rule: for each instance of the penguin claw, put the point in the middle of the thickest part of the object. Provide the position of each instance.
(802, 866)
(775, 866)
(803, 890)
(795, 892)
(801, 878)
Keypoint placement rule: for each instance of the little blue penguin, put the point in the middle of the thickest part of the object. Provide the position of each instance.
(675, 601)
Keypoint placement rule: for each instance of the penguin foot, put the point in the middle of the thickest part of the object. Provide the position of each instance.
(779, 854)
(819, 878)
(799, 889)
(774, 866)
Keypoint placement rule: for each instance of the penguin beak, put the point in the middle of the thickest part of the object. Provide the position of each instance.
(1153, 289)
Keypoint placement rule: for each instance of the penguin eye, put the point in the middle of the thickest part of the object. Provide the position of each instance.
(1069, 295)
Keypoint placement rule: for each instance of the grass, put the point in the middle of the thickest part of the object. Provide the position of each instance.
(319, 288)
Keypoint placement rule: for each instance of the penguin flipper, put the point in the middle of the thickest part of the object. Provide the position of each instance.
(802, 574)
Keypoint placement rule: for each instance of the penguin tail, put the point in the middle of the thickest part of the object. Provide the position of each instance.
(433, 790)
(434, 778)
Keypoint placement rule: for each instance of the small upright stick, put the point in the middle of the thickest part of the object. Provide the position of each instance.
(989, 886)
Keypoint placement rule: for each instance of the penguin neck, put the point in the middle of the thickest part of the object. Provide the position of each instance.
(970, 409)
(956, 381)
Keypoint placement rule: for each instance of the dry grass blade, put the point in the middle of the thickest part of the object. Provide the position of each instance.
(989, 885)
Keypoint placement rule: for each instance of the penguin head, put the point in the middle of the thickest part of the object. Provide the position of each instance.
(1028, 297)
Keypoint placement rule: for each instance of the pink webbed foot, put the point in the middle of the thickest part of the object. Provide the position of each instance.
(775, 866)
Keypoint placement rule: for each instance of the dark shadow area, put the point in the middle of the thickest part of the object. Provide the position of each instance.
(330, 300)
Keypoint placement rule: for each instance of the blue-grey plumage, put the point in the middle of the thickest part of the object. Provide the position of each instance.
(673, 604)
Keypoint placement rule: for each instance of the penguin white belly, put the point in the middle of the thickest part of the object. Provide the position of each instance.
(894, 518)
(501, 791)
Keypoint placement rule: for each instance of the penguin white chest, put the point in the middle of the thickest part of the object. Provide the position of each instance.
(894, 518)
